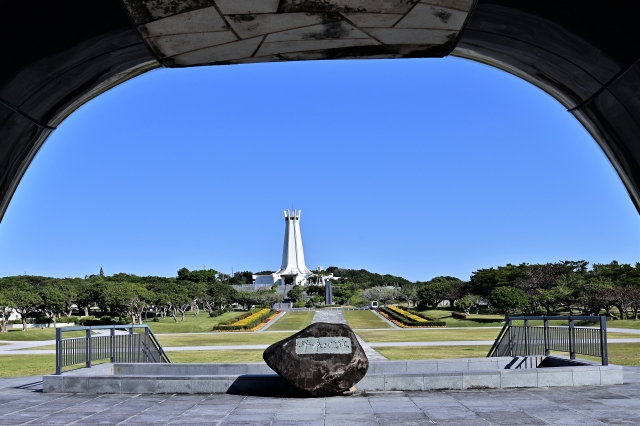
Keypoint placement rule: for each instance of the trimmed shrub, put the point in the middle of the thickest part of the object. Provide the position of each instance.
(459, 315)
(247, 322)
(408, 321)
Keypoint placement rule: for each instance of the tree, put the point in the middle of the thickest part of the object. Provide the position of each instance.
(407, 293)
(467, 302)
(382, 294)
(507, 299)
(88, 293)
(483, 281)
(6, 307)
(296, 293)
(198, 276)
(53, 301)
(317, 300)
(433, 292)
(314, 289)
(24, 299)
(341, 294)
(218, 294)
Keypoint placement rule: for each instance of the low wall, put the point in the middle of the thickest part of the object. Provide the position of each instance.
(258, 378)
(50, 325)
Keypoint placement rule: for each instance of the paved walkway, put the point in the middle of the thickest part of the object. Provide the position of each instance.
(385, 319)
(21, 403)
(270, 323)
(336, 317)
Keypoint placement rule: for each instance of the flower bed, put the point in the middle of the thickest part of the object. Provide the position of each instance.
(406, 319)
(247, 322)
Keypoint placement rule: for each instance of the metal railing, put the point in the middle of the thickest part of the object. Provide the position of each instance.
(525, 340)
(130, 347)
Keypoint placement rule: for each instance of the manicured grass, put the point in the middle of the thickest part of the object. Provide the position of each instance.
(191, 324)
(292, 321)
(619, 324)
(216, 356)
(427, 335)
(34, 334)
(26, 365)
(222, 339)
(473, 320)
(443, 335)
(433, 352)
(364, 319)
(619, 354)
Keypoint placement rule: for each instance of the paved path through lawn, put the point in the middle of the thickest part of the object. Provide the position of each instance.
(336, 317)
(23, 403)
(387, 320)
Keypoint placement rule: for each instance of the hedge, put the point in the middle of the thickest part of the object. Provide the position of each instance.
(246, 322)
(240, 317)
(409, 322)
(459, 315)
(420, 314)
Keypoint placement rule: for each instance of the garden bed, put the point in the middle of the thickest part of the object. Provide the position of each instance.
(406, 319)
(251, 321)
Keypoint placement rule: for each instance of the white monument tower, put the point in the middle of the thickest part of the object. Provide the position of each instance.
(293, 269)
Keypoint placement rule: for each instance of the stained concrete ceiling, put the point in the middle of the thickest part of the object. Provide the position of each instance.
(57, 55)
(198, 32)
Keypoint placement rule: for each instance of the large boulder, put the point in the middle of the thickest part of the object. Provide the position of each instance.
(323, 359)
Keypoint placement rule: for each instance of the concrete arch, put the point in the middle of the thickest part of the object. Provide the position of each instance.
(59, 55)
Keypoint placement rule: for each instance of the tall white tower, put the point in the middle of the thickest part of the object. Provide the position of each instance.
(293, 269)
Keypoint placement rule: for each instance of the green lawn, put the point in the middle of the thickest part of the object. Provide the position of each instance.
(222, 339)
(33, 334)
(364, 319)
(30, 365)
(619, 353)
(427, 335)
(191, 324)
(26, 365)
(292, 321)
(480, 320)
(217, 356)
(619, 324)
(443, 334)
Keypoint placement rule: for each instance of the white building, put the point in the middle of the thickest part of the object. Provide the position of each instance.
(293, 270)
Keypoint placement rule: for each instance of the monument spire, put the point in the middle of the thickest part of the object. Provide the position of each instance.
(293, 268)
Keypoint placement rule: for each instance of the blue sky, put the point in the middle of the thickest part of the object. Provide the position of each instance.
(418, 168)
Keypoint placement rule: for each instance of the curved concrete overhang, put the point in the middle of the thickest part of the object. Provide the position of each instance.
(58, 55)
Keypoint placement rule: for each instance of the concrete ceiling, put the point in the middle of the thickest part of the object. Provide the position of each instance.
(57, 55)
(199, 32)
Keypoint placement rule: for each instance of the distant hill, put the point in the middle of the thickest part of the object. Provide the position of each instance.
(364, 278)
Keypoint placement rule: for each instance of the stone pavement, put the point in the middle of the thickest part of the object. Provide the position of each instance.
(21, 403)
(336, 317)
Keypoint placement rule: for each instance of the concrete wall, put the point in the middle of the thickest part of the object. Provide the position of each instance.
(257, 378)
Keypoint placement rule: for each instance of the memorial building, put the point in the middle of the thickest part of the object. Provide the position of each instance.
(293, 270)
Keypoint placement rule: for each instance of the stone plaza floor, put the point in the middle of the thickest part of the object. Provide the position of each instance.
(23, 403)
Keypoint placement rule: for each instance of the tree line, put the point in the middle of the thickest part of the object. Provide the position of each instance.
(566, 286)
(125, 296)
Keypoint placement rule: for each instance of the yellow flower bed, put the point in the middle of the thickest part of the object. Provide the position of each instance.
(251, 318)
(263, 323)
(407, 314)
